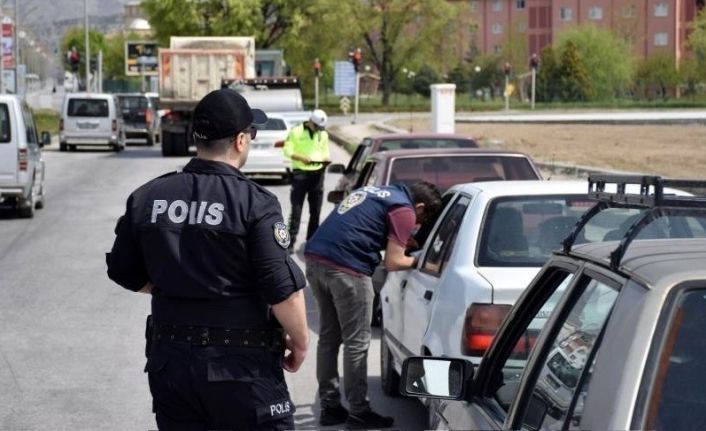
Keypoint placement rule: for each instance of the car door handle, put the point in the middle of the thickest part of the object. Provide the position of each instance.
(403, 284)
(428, 294)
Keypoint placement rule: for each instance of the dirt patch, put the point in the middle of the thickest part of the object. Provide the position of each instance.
(671, 151)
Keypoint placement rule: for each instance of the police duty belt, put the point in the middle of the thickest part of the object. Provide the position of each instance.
(202, 336)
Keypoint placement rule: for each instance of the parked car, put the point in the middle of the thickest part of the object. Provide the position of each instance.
(374, 144)
(21, 160)
(93, 119)
(489, 242)
(266, 155)
(141, 118)
(609, 335)
(443, 167)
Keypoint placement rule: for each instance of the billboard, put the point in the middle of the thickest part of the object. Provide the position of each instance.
(344, 79)
(141, 58)
(7, 43)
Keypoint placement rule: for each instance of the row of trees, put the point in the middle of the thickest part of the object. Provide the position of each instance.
(585, 64)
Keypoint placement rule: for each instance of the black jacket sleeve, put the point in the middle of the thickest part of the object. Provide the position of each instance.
(126, 265)
(278, 275)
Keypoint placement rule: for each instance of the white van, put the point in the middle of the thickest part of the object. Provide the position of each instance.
(21, 162)
(91, 119)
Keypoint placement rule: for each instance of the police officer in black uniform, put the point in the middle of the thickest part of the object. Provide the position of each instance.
(228, 314)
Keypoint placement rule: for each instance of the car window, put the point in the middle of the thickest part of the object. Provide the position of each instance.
(414, 143)
(5, 135)
(364, 175)
(133, 102)
(359, 156)
(155, 102)
(448, 170)
(272, 124)
(88, 108)
(444, 238)
(31, 129)
(678, 398)
(612, 224)
(514, 364)
(571, 352)
(523, 231)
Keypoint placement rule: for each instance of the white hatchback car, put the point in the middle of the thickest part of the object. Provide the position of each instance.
(489, 242)
(266, 154)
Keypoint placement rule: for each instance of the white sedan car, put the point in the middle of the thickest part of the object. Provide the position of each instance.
(490, 241)
(266, 155)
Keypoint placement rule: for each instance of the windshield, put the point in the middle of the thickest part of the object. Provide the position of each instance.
(524, 230)
(133, 102)
(447, 170)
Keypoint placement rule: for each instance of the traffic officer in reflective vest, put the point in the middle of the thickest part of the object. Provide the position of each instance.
(228, 313)
(340, 260)
(308, 147)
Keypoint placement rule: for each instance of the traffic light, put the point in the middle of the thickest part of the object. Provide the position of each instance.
(74, 59)
(507, 69)
(356, 57)
(317, 68)
(534, 62)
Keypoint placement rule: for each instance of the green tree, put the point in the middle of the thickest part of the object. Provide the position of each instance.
(690, 75)
(515, 50)
(460, 75)
(608, 59)
(399, 33)
(548, 76)
(657, 71)
(574, 82)
(697, 39)
(489, 74)
(268, 20)
(75, 37)
(423, 79)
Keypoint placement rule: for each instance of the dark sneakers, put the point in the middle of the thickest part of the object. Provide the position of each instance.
(368, 420)
(333, 415)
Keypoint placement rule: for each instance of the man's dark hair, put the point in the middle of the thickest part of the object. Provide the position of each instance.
(428, 194)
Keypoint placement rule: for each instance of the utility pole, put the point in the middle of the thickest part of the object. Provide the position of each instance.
(99, 74)
(317, 74)
(534, 64)
(88, 48)
(15, 47)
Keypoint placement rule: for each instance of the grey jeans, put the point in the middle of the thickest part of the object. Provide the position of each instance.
(345, 309)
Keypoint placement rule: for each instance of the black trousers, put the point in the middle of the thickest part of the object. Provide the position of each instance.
(309, 185)
(218, 388)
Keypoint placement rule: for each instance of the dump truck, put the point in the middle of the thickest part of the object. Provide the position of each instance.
(188, 70)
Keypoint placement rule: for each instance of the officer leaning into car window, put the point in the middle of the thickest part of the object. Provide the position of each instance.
(308, 147)
(210, 246)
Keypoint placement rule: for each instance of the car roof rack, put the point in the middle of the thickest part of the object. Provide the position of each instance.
(651, 197)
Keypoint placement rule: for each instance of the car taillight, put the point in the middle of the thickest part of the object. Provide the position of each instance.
(22, 159)
(115, 125)
(61, 125)
(279, 144)
(481, 325)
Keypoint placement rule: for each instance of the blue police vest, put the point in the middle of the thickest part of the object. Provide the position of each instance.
(356, 230)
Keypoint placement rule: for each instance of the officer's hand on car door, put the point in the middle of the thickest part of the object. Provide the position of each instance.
(295, 357)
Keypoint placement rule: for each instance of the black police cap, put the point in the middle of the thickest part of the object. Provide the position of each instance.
(224, 113)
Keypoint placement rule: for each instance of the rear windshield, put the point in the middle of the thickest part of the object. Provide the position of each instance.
(272, 124)
(523, 231)
(449, 170)
(5, 135)
(398, 144)
(88, 108)
(133, 102)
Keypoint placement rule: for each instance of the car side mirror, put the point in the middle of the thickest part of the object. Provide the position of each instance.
(429, 377)
(46, 139)
(336, 168)
(335, 196)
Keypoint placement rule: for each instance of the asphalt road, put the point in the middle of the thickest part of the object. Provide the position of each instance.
(72, 342)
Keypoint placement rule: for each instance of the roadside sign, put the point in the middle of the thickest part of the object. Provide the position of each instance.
(509, 90)
(141, 58)
(345, 105)
(7, 42)
(344, 79)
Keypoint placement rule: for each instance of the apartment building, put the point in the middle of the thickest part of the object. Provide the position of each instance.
(651, 26)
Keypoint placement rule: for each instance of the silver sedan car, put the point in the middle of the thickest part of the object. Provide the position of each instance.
(609, 335)
(266, 155)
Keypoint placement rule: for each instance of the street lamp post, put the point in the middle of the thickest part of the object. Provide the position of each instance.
(88, 48)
